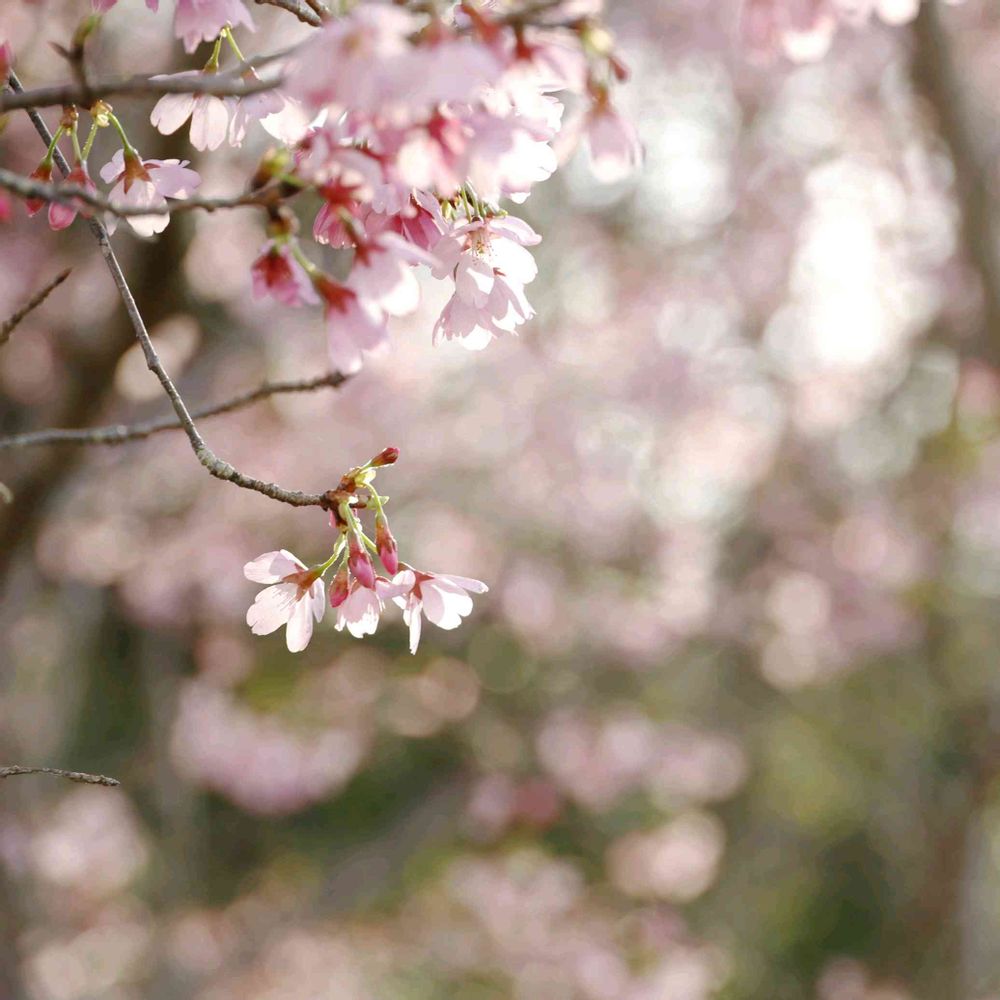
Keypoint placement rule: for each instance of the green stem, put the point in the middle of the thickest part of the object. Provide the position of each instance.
(130, 150)
(310, 268)
(339, 552)
(52, 146)
(76, 145)
(227, 33)
(90, 140)
(212, 66)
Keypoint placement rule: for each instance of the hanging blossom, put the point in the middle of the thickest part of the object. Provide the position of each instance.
(358, 591)
(139, 183)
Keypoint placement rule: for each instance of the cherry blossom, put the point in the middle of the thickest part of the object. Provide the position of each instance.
(209, 116)
(294, 597)
(147, 184)
(277, 273)
(197, 21)
(354, 324)
(490, 266)
(360, 611)
(443, 600)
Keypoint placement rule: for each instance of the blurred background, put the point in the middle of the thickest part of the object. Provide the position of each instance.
(727, 724)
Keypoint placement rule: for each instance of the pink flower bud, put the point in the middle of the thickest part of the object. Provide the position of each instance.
(387, 456)
(387, 549)
(360, 563)
(339, 589)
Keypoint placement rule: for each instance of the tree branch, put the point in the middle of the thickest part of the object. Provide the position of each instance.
(305, 12)
(80, 776)
(68, 194)
(10, 324)
(215, 466)
(120, 433)
(229, 84)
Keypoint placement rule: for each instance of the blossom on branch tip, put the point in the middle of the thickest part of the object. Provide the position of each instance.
(142, 183)
(359, 613)
(43, 173)
(294, 597)
(443, 600)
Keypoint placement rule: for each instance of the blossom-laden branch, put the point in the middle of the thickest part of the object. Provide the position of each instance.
(215, 466)
(79, 776)
(71, 194)
(121, 433)
(10, 324)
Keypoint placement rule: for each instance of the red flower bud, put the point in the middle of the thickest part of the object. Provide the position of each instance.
(387, 550)
(339, 589)
(360, 563)
(43, 172)
(387, 456)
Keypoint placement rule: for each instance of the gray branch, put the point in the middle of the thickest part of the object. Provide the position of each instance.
(10, 324)
(215, 466)
(81, 776)
(120, 433)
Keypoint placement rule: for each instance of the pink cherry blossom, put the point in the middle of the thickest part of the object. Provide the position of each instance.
(359, 613)
(615, 151)
(443, 600)
(209, 116)
(103, 6)
(382, 273)
(294, 597)
(147, 184)
(490, 267)
(360, 563)
(197, 21)
(277, 273)
(253, 108)
(43, 173)
(62, 215)
(354, 325)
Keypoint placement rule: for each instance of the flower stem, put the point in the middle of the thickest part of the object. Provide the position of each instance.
(227, 33)
(130, 150)
(90, 140)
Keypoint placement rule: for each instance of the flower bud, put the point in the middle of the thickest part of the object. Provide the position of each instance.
(386, 544)
(43, 172)
(360, 563)
(387, 456)
(339, 589)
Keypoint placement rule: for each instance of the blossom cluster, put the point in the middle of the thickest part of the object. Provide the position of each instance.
(296, 595)
(410, 130)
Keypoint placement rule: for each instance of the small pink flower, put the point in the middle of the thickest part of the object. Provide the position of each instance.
(197, 21)
(360, 611)
(277, 273)
(147, 184)
(490, 266)
(339, 589)
(382, 273)
(62, 215)
(615, 149)
(443, 600)
(353, 325)
(209, 116)
(360, 563)
(294, 597)
(253, 108)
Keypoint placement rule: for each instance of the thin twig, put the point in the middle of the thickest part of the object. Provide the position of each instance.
(120, 433)
(215, 466)
(8, 326)
(229, 84)
(80, 776)
(321, 9)
(305, 12)
(69, 194)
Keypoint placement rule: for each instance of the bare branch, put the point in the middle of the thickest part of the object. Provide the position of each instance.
(8, 326)
(120, 433)
(215, 466)
(305, 12)
(229, 84)
(80, 776)
(68, 194)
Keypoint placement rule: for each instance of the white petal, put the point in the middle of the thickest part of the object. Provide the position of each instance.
(300, 626)
(442, 605)
(415, 621)
(465, 582)
(272, 567)
(271, 608)
(171, 112)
